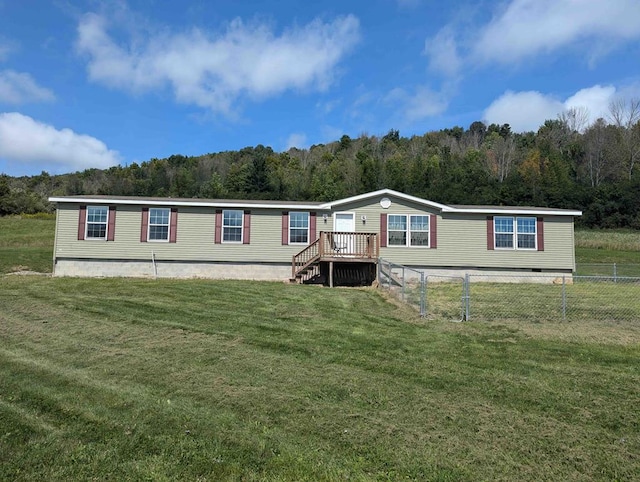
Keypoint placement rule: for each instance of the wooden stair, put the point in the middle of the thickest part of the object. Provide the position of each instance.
(343, 248)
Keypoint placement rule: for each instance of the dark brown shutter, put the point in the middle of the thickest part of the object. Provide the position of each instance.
(82, 219)
(246, 238)
(383, 230)
(111, 227)
(173, 225)
(285, 227)
(218, 227)
(144, 226)
(540, 233)
(433, 231)
(312, 227)
(490, 240)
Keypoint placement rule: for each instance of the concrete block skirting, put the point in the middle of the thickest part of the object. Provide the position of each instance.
(488, 275)
(171, 269)
(92, 268)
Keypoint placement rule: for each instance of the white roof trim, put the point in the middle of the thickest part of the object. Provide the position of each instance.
(384, 192)
(320, 206)
(168, 202)
(498, 212)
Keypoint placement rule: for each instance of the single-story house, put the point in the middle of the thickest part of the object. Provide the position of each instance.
(171, 237)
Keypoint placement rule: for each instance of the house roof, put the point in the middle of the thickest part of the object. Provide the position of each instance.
(479, 209)
(331, 205)
(172, 201)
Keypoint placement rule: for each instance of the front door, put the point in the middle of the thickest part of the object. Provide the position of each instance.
(344, 223)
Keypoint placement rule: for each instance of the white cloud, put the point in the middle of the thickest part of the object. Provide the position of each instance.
(296, 140)
(326, 107)
(523, 111)
(527, 111)
(442, 51)
(24, 140)
(522, 29)
(595, 99)
(19, 88)
(528, 27)
(418, 105)
(216, 71)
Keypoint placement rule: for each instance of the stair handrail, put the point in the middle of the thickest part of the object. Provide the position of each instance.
(304, 258)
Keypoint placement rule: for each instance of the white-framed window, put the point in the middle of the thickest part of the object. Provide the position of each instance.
(159, 224)
(397, 230)
(232, 226)
(298, 228)
(526, 229)
(515, 233)
(97, 217)
(503, 232)
(408, 230)
(419, 228)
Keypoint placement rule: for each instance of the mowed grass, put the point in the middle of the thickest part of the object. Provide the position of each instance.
(26, 244)
(122, 379)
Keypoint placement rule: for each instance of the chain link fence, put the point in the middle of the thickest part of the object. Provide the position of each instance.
(536, 297)
(612, 270)
(405, 283)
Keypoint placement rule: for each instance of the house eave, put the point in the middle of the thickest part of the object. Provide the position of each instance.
(512, 211)
(313, 206)
(189, 203)
(383, 192)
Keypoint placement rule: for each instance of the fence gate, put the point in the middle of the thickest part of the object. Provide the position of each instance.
(405, 283)
(435, 297)
(446, 298)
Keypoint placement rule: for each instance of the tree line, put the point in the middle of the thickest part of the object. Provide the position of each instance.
(565, 164)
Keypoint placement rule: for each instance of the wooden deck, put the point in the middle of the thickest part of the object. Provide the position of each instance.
(334, 247)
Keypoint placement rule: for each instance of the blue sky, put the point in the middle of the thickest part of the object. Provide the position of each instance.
(97, 83)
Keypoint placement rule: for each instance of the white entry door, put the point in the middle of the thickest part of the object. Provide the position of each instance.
(344, 223)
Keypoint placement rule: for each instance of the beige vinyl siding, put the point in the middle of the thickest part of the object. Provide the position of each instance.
(408, 255)
(195, 238)
(462, 240)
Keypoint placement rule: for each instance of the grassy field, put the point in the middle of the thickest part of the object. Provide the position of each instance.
(125, 379)
(26, 244)
(609, 246)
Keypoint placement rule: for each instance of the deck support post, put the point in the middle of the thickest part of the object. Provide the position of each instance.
(330, 274)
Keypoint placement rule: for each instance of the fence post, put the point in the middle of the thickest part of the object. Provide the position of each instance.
(564, 298)
(615, 273)
(403, 282)
(466, 297)
(423, 295)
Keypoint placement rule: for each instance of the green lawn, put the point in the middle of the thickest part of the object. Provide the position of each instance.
(116, 379)
(26, 244)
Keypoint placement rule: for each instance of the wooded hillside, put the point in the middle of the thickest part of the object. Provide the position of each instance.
(563, 165)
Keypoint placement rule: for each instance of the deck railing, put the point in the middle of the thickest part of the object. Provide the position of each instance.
(336, 244)
(344, 244)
